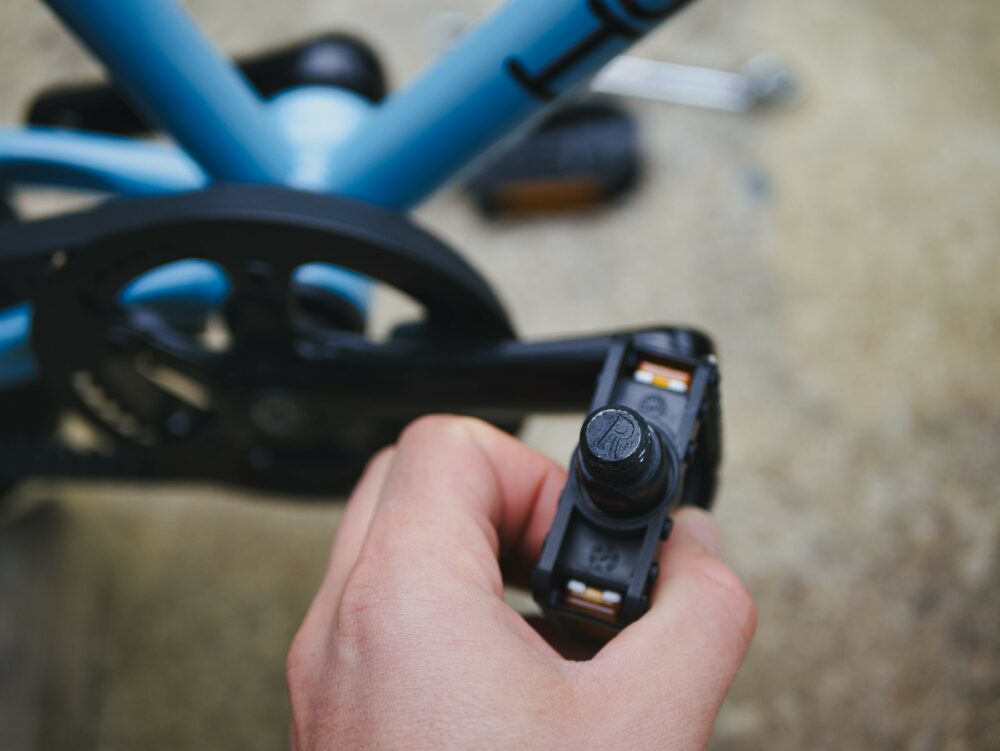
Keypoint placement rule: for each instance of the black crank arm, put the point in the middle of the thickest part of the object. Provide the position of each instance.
(507, 379)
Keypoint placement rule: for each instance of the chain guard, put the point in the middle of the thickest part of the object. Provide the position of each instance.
(243, 413)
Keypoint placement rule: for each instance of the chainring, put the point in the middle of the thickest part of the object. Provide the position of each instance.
(238, 411)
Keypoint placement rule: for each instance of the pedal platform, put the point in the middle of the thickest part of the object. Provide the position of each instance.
(650, 444)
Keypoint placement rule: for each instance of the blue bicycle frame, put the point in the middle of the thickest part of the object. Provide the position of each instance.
(395, 154)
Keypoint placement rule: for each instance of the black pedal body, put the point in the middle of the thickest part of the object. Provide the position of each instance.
(583, 156)
(650, 444)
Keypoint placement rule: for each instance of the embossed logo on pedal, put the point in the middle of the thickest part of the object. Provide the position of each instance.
(604, 558)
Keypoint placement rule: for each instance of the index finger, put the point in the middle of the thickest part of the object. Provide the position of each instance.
(461, 493)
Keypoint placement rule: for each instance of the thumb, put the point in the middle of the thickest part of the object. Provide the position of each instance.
(683, 655)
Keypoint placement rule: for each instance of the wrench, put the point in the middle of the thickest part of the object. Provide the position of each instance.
(762, 82)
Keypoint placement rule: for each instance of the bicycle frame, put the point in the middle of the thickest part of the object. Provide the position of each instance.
(495, 79)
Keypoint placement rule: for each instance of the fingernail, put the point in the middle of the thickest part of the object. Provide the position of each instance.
(705, 530)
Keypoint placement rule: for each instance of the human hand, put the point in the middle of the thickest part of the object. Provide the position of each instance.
(409, 644)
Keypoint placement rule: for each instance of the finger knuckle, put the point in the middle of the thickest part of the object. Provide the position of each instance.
(438, 428)
(299, 660)
(424, 427)
(731, 600)
(380, 457)
(301, 676)
(362, 599)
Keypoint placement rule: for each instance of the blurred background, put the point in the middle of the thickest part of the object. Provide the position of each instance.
(843, 253)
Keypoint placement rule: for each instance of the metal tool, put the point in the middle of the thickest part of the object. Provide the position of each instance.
(761, 82)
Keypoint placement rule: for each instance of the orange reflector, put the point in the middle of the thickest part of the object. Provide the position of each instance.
(603, 604)
(663, 377)
(553, 194)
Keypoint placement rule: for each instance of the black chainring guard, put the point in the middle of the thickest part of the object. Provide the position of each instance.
(87, 344)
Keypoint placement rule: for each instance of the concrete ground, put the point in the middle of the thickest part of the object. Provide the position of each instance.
(844, 254)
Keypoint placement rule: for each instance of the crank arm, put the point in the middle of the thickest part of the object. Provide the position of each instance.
(499, 381)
